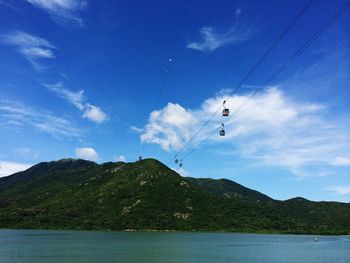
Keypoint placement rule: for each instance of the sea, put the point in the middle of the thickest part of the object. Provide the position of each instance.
(36, 246)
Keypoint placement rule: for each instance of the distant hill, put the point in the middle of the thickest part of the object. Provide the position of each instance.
(147, 195)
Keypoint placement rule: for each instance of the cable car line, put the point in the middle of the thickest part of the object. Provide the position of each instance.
(168, 65)
(281, 68)
(274, 44)
(255, 66)
(171, 58)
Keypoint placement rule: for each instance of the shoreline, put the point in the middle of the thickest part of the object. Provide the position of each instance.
(177, 231)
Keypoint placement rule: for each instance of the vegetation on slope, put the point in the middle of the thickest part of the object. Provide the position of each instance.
(78, 194)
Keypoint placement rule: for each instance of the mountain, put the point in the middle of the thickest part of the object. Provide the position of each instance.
(147, 195)
(44, 168)
(229, 189)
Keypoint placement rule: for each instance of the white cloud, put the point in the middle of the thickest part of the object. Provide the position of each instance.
(62, 12)
(8, 168)
(211, 39)
(33, 48)
(74, 97)
(170, 127)
(86, 153)
(135, 129)
(91, 112)
(25, 152)
(341, 161)
(120, 158)
(18, 116)
(94, 113)
(271, 128)
(22, 39)
(35, 52)
(341, 190)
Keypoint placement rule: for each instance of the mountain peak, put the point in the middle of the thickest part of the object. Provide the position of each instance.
(63, 164)
(46, 168)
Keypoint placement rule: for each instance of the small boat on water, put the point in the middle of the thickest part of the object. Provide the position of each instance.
(316, 239)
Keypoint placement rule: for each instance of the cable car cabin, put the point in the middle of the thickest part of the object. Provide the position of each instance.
(225, 112)
(176, 160)
(222, 132)
(180, 165)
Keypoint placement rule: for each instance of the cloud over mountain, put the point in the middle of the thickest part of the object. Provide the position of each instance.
(270, 127)
(86, 153)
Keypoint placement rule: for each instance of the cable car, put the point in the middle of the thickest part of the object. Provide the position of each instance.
(222, 131)
(180, 165)
(176, 160)
(225, 111)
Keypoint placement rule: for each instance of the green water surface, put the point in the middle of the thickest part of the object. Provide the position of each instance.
(33, 246)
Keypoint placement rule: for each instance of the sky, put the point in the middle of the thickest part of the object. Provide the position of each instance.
(114, 80)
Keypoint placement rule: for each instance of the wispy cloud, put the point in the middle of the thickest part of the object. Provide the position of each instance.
(62, 12)
(74, 97)
(19, 116)
(27, 153)
(8, 168)
(8, 5)
(135, 129)
(271, 127)
(87, 153)
(340, 190)
(33, 48)
(91, 112)
(212, 39)
(341, 161)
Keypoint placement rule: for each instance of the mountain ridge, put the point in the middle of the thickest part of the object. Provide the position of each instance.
(78, 194)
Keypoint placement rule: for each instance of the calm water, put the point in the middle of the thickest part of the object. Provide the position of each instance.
(31, 246)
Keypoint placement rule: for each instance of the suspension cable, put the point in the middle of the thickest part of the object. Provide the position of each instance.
(280, 69)
(249, 73)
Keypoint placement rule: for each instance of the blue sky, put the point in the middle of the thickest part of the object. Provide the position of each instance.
(82, 79)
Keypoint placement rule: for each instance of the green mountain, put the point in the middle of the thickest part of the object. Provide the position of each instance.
(229, 189)
(147, 195)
